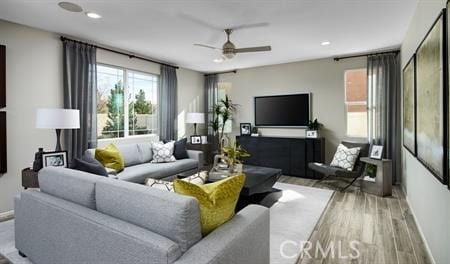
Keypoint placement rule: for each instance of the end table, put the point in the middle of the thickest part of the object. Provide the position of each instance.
(207, 151)
(383, 180)
(29, 178)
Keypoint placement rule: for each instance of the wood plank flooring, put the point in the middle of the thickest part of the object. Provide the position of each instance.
(383, 227)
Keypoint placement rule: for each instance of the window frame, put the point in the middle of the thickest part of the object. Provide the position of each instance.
(125, 70)
(346, 104)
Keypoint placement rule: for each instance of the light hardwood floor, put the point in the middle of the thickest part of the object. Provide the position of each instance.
(384, 227)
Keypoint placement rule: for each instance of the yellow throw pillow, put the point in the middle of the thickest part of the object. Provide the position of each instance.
(217, 200)
(110, 157)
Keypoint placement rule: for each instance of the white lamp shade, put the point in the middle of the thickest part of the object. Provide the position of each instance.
(56, 118)
(195, 118)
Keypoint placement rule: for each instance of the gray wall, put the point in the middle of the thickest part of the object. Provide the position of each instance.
(428, 198)
(34, 80)
(323, 78)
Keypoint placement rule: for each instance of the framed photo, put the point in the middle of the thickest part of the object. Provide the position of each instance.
(54, 159)
(431, 101)
(376, 152)
(196, 140)
(409, 106)
(246, 129)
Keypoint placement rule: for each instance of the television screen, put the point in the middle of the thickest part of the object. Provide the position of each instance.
(282, 110)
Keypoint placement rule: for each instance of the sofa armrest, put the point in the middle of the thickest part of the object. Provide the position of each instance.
(196, 155)
(243, 239)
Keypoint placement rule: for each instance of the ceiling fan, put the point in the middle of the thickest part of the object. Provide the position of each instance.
(229, 50)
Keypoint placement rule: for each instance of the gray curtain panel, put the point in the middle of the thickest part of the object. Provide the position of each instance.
(80, 90)
(384, 107)
(211, 98)
(167, 103)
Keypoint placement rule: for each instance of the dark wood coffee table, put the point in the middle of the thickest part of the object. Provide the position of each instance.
(259, 179)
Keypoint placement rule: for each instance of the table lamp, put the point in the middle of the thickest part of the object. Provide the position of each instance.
(195, 118)
(56, 118)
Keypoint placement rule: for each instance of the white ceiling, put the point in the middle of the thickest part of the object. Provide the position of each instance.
(166, 29)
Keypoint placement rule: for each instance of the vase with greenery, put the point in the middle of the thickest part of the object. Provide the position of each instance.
(222, 113)
(255, 131)
(234, 154)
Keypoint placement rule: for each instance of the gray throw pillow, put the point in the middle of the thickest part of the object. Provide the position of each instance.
(88, 164)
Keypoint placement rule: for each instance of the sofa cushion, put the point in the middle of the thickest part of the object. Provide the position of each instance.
(88, 164)
(110, 157)
(180, 149)
(139, 173)
(71, 185)
(130, 154)
(145, 151)
(163, 152)
(217, 200)
(168, 214)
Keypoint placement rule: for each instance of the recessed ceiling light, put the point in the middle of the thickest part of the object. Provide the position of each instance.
(325, 43)
(218, 60)
(93, 15)
(71, 7)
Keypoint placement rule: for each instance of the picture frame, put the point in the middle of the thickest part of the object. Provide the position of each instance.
(431, 100)
(246, 129)
(376, 152)
(196, 140)
(312, 134)
(54, 159)
(409, 106)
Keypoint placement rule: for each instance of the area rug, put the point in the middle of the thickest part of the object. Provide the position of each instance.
(294, 212)
(293, 218)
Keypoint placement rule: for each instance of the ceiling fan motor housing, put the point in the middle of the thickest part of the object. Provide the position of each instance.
(229, 49)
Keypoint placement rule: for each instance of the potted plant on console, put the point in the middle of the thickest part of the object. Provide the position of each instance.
(313, 129)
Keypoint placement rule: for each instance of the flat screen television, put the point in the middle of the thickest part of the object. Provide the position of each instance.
(283, 110)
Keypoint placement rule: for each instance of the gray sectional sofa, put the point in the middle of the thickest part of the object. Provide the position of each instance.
(138, 166)
(78, 217)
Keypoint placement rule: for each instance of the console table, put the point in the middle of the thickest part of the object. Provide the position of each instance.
(291, 155)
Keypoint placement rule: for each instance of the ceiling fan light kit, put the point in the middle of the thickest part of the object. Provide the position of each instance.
(229, 50)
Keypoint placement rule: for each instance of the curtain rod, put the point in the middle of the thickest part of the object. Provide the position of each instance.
(131, 56)
(366, 54)
(233, 71)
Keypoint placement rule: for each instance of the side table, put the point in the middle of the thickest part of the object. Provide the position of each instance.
(207, 151)
(383, 180)
(29, 178)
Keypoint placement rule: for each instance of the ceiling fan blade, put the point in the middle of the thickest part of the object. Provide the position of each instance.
(254, 49)
(254, 25)
(206, 46)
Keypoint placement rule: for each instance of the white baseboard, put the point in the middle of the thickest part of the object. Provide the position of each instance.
(6, 215)
(420, 231)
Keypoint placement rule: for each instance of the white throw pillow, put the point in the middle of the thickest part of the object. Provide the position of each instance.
(345, 158)
(198, 179)
(163, 152)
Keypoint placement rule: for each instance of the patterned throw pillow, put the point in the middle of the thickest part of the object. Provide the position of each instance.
(345, 158)
(163, 152)
(198, 179)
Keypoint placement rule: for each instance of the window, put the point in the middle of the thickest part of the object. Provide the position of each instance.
(121, 91)
(356, 102)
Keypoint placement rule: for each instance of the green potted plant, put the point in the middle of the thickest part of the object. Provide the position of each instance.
(234, 154)
(255, 132)
(313, 129)
(223, 113)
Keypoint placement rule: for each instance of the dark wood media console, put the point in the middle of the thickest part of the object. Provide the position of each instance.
(291, 155)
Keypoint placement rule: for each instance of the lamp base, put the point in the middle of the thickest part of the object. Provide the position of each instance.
(58, 140)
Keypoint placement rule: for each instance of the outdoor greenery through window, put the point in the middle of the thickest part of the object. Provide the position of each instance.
(356, 102)
(121, 91)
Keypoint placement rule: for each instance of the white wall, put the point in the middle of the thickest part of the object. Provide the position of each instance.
(429, 199)
(323, 78)
(34, 80)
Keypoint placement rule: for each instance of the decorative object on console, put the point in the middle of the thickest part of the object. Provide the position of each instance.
(204, 140)
(111, 157)
(54, 159)
(195, 118)
(345, 157)
(313, 129)
(196, 140)
(409, 105)
(430, 106)
(217, 200)
(37, 163)
(376, 152)
(56, 118)
(255, 132)
(246, 129)
(163, 152)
